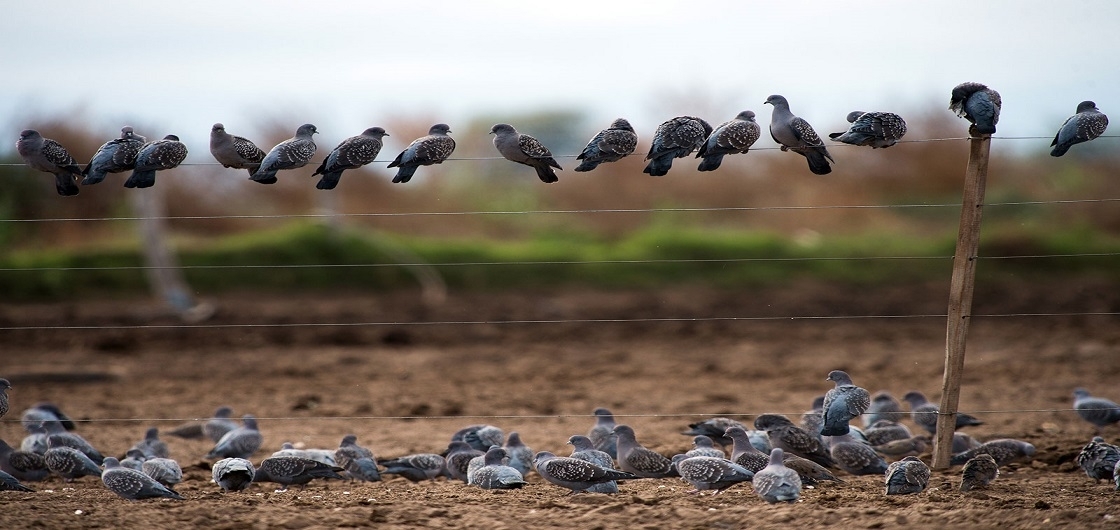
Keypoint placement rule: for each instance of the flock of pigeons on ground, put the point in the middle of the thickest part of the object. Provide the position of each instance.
(777, 457)
(676, 138)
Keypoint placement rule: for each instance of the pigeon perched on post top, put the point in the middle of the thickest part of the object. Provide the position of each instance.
(842, 403)
(1088, 123)
(610, 145)
(675, 138)
(776, 482)
(525, 149)
(633, 458)
(115, 156)
(434, 148)
(795, 134)
(907, 476)
(978, 104)
(293, 153)
(234, 151)
(354, 152)
(731, 137)
(44, 154)
(155, 156)
(876, 129)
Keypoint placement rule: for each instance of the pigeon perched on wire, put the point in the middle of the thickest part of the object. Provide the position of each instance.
(978, 104)
(293, 153)
(883, 407)
(675, 138)
(234, 151)
(610, 145)
(583, 449)
(43, 412)
(358, 461)
(434, 148)
(11, 483)
(480, 437)
(710, 473)
(241, 442)
(575, 474)
(233, 474)
(714, 428)
(115, 156)
(289, 470)
(520, 455)
(886, 431)
(354, 152)
(525, 149)
(842, 403)
(1087, 124)
(44, 154)
(151, 445)
(795, 134)
(70, 463)
(704, 446)
(602, 433)
(1098, 458)
(154, 156)
(642, 462)
(855, 457)
(1004, 450)
(325, 456)
(907, 476)
(164, 470)
(776, 482)
(925, 413)
(793, 439)
(978, 472)
(876, 129)
(23, 465)
(415, 468)
(1100, 412)
(494, 475)
(458, 457)
(133, 485)
(731, 137)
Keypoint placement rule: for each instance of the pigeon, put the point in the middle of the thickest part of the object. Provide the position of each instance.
(164, 470)
(133, 485)
(978, 104)
(583, 449)
(795, 134)
(675, 138)
(187, 431)
(710, 473)
(1088, 123)
(458, 457)
(292, 153)
(732, 137)
(151, 445)
(60, 438)
(115, 156)
(610, 145)
(325, 456)
(1098, 458)
(883, 407)
(353, 153)
(155, 156)
(234, 151)
(602, 433)
(855, 457)
(907, 476)
(1116, 476)
(912, 446)
(886, 431)
(36, 441)
(704, 446)
(70, 463)
(575, 474)
(288, 470)
(525, 149)
(842, 404)
(478, 463)
(642, 462)
(494, 475)
(791, 438)
(44, 154)
(1100, 412)
(217, 427)
(479, 437)
(233, 474)
(45, 411)
(714, 428)
(520, 455)
(423, 466)
(776, 482)
(812, 420)
(1004, 450)
(357, 460)
(963, 442)
(134, 459)
(925, 413)
(876, 129)
(23, 465)
(978, 472)
(4, 386)
(11, 483)
(434, 148)
(747, 455)
(241, 442)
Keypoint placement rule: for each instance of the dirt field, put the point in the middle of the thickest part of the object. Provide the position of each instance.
(312, 385)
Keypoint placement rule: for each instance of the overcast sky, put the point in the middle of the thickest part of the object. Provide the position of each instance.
(346, 66)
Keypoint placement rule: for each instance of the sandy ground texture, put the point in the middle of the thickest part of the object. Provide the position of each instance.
(406, 388)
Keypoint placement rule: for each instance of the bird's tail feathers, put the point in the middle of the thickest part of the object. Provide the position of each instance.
(404, 174)
(546, 174)
(141, 179)
(329, 180)
(710, 163)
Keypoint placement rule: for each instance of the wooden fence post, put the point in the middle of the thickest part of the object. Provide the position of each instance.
(960, 295)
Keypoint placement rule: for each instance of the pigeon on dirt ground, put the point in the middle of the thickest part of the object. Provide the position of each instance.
(154, 156)
(23, 465)
(912, 446)
(812, 420)
(358, 461)
(842, 403)
(710, 473)
(1100, 412)
(675, 138)
(978, 472)
(883, 407)
(415, 468)
(293, 153)
(793, 439)
(434, 148)
(325, 456)
(354, 152)
(876, 129)
(494, 475)
(731, 137)
(525, 149)
(133, 485)
(289, 470)
(458, 457)
(575, 474)
(164, 470)
(855, 457)
(134, 459)
(978, 104)
(1098, 458)
(925, 413)
(907, 476)
(151, 445)
(217, 427)
(233, 474)
(70, 463)
(750, 457)
(1087, 124)
(45, 411)
(714, 428)
(115, 156)
(59, 437)
(241, 442)
(602, 433)
(583, 449)
(776, 482)
(886, 431)
(234, 151)
(610, 145)
(795, 134)
(44, 154)
(704, 446)
(642, 462)
(480, 437)
(520, 455)
(1004, 450)
(11, 483)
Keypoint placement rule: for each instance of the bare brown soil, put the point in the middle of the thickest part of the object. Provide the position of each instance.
(312, 385)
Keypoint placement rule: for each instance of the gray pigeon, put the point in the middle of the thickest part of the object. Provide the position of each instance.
(1100, 412)
(812, 420)
(520, 455)
(353, 153)
(642, 462)
(480, 437)
(749, 456)
(525, 149)
(58, 437)
(44, 154)
(704, 446)
(494, 475)
(1116, 476)
(434, 148)
(115, 156)
(241, 442)
(234, 151)
(292, 153)
(45, 411)
(583, 449)
(963, 442)
(70, 463)
(1088, 123)
(134, 459)
(155, 156)
(791, 438)
(10, 483)
(133, 485)
(418, 467)
(710, 473)
(795, 134)
(1004, 450)
(877, 129)
(732, 137)
(23, 465)
(925, 413)
(217, 427)
(776, 482)
(907, 476)
(1098, 458)
(602, 433)
(883, 407)
(978, 472)
(978, 104)
(912, 446)
(458, 457)
(4, 386)
(886, 431)
(288, 470)
(357, 460)
(164, 470)
(610, 145)
(714, 428)
(325, 456)
(855, 457)
(675, 138)
(151, 445)
(233, 474)
(842, 404)
(36, 441)
(575, 474)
